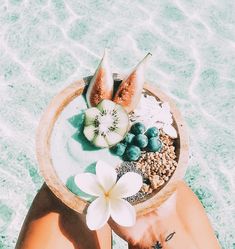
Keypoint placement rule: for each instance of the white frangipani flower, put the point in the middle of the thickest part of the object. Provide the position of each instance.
(110, 194)
(154, 113)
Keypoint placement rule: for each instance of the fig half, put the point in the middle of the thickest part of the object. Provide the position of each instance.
(101, 84)
(129, 91)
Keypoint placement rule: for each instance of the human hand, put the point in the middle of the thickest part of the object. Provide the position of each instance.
(143, 234)
(150, 228)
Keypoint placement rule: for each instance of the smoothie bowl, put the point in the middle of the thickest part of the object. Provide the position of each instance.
(131, 126)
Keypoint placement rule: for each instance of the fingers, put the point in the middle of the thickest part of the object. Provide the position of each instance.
(144, 234)
(148, 230)
(147, 242)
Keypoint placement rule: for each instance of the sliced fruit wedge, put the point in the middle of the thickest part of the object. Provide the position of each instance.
(106, 124)
(89, 132)
(100, 141)
(129, 91)
(106, 106)
(101, 84)
(113, 137)
(91, 115)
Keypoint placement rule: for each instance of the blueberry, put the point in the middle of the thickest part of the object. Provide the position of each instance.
(138, 128)
(119, 149)
(128, 138)
(152, 132)
(140, 140)
(154, 144)
(132, 153)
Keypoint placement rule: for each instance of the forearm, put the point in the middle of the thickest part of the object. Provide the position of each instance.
(180, 222)
(189, 222)
(50, 224)
(194, 218)
(41, 228)
(174, 235)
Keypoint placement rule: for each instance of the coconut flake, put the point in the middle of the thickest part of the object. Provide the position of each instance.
(154, 113)
(170, 130)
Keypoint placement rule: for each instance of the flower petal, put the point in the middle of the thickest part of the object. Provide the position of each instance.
(106, 175)
(128, 185)
(97, 213)
(170, 130)
(122, 212)
(89, 184)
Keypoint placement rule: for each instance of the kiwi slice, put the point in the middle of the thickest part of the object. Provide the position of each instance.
(106, 124)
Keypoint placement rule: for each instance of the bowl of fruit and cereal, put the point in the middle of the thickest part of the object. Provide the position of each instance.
(126, 122)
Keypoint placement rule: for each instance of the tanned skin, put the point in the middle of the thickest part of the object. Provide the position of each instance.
(180, 222)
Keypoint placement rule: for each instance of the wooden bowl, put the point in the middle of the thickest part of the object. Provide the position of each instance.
(43, 150)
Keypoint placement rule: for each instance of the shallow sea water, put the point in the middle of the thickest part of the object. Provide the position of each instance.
(47, 44)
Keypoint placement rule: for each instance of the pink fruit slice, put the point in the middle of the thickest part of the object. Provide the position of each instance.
(101, 85)
(129, 91)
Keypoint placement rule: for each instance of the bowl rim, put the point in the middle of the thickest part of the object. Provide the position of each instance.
(43, 151)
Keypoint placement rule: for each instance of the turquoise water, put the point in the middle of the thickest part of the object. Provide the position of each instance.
(45, 45)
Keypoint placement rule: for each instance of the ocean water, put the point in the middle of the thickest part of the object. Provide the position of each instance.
(47, 44)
